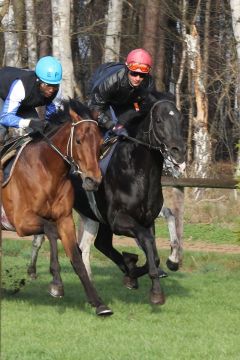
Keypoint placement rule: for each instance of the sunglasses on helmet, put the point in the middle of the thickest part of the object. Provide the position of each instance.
(140, 67)
(135, 74)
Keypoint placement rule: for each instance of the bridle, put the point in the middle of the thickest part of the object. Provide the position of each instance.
(162, 148)
(75, 169)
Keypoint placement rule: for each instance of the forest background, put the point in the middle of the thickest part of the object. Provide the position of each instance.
(195, 45)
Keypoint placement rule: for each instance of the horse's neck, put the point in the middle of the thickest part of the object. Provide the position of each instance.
(61, 137)
(143, 131)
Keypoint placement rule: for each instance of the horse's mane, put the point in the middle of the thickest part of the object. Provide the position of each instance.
(155, 95)
(133, 119)
(62, 115)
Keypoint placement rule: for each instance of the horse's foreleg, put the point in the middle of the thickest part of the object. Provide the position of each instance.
(86, 237)
(124, 224)
(36, 246)
(55, 288)
(146, 239)
(176, 249)
(66, 230)
(138, 271)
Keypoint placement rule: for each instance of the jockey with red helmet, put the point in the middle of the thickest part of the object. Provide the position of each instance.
(117, 88)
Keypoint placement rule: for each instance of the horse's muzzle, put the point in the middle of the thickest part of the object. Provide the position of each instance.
(90, 184)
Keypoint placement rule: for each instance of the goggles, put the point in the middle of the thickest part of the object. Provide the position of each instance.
(135, 74)
(139, 67)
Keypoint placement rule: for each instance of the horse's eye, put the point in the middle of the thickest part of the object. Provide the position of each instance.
(78, 141)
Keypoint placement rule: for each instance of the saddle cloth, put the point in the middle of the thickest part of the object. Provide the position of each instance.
(106, 153)
(11, 153)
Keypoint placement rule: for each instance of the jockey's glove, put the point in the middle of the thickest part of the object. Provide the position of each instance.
(105, 122)
(119, 130)
(37, 125)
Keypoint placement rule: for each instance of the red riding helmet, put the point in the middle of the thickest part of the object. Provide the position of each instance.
(139, 60)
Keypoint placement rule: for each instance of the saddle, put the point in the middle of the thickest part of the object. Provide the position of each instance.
(107, 150)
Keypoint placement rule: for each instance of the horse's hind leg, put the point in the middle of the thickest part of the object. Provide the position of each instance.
(174, 258)
(86, 237)
(36, 246)
(55, 288)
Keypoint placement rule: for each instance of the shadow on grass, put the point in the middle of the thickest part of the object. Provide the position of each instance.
(107, 280)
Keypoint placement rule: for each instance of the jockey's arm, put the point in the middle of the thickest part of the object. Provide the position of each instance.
(100, 102)
(11, 105)
(55, 105)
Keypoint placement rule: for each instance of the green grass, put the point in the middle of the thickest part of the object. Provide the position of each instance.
(200, 319)
(211, 233)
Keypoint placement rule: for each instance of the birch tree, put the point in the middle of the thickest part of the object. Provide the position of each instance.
(202, 147)
(62, 42)
(12, 55)
(31, 33)
(114, 21)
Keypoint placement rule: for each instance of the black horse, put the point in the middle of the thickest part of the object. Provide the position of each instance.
(130, 197)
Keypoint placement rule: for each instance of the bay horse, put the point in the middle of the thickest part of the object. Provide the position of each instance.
(39, 196)
(130, 197)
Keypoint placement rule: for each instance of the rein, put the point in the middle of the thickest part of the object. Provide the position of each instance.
(68, 158)
(162, 148)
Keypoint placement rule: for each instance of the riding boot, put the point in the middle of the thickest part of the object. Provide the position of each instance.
(3, 132)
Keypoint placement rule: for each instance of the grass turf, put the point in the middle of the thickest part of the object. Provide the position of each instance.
(200, 319)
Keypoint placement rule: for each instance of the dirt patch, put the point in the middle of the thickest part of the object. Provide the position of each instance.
(161, 244)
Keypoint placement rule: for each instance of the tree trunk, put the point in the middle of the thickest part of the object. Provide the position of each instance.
(150, 27)
(45, 27)
(160, 54)
(31, 33)
(235, 6)
(202, 149)
(114, 28)
(62, 43)
(12, 56)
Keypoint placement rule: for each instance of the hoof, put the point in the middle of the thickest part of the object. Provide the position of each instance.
(32, 273)
(157, 299)
(162, 273)
(130, 283)
(103, 310)
(56, 290)
(172, 265)
(33, 276)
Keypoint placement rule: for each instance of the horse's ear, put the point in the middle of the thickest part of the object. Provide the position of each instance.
(74, 116)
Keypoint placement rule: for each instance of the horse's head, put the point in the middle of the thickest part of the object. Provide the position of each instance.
(84, 148)
(166, 130)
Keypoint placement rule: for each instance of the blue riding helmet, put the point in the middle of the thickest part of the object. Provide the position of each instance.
(49, 70)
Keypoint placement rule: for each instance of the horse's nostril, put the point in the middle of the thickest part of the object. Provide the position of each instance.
(90, 184)
(174, 151)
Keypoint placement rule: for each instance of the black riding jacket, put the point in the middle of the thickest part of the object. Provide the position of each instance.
(110, 86)
(33, 96)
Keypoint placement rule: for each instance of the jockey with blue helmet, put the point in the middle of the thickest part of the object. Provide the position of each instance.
(22, 90)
